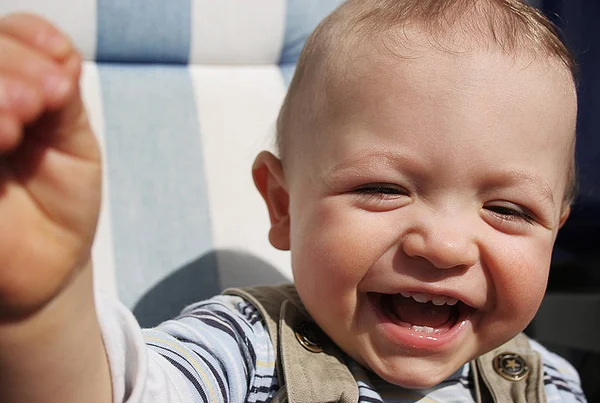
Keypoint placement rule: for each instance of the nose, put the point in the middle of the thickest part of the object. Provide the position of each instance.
(445, 242)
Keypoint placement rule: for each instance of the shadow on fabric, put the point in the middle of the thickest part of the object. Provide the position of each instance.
(201, 279)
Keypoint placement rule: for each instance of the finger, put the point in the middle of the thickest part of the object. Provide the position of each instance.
(37, 33)
(20, 99)
(72, 65)
(67, 130)
(32, 66)
(10, 133)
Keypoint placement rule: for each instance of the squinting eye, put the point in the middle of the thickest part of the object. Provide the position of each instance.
(509, 213)
(379, 197)
(380, 190)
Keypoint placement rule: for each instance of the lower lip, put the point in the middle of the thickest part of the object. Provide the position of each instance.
(405, 336)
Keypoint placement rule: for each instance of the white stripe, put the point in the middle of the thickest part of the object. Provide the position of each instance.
(76, 18)
(237, 32)
(237, 109)
(102, 251)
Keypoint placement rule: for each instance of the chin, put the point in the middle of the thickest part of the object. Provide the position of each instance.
(415, 375)
(415, 381)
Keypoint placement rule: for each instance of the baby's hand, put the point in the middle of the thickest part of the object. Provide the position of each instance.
(50, 171)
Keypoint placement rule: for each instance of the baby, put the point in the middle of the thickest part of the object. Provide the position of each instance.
(426, 164)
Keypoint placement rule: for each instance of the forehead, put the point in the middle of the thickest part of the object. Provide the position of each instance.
(416, 73)
(444, 60)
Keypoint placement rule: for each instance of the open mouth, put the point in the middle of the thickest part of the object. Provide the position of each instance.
(422, 314)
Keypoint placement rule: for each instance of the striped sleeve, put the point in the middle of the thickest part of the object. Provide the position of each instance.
(215, 351)
(561, 380)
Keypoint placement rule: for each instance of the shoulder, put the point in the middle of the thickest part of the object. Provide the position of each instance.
(229, 317)
(225, 306)
(222, 345)
(561, 380)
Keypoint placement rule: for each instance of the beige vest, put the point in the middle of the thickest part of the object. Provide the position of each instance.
(311, 369)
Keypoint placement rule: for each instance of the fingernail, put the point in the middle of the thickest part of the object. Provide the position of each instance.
(58, 45)
(57, 85)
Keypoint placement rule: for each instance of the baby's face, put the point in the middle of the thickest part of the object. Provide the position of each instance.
(435, 178)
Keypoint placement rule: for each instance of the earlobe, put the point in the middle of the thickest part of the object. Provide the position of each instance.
(269, 179)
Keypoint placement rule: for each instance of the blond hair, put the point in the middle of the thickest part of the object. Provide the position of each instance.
(512, 25)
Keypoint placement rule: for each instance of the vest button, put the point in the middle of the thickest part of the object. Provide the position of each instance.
(308, 335)
(511, 366)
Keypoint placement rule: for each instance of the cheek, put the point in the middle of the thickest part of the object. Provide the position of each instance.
(520, 279)
(326, 243)
(333, 247)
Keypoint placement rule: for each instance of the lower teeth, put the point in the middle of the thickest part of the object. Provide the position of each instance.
(422, 329)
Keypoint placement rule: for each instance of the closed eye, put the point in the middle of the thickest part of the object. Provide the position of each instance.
(379, 197)
(511, 213)
(380, 189)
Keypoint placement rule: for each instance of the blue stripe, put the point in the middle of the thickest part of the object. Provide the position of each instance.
(144, 31)
(287, 73)
(302, 17)
(158, 195)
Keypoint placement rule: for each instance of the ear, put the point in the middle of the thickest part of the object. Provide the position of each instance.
(563, 217)
(267, 172)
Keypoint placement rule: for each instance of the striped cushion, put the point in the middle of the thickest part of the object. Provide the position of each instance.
(184, 31)
(180, 214)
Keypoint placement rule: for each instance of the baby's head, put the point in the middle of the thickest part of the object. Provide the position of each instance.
(426, 154)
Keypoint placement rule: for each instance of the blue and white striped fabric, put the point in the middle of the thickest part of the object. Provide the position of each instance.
(224, 32)
(182, 95)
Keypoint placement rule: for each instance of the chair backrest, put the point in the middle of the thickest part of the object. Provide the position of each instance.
(182, 95)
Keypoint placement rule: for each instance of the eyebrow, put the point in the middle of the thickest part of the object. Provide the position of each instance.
(537, 182)
(366, 162)
(364, 159)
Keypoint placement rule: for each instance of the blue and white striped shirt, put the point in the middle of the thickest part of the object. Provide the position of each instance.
(219, 350)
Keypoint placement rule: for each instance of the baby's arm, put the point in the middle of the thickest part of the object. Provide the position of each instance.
(51, 349)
